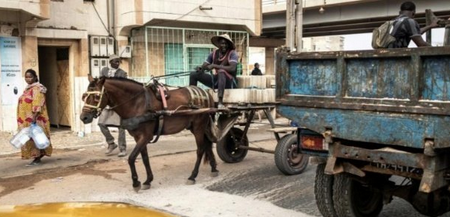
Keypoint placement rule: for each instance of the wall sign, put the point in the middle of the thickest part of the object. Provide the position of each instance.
(11, 69)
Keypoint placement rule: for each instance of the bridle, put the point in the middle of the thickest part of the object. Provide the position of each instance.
(99, 95)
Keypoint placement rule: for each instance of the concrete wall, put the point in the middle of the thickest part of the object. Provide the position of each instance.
(247, 14)
(69, 23)
(327, 43)
(37, 8)
(78, 15)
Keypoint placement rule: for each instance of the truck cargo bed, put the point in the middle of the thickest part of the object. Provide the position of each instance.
(398, 97)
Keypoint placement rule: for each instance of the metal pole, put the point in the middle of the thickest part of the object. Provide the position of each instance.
(257, 149)
(290, 23)
(299, 25)
(429, 16)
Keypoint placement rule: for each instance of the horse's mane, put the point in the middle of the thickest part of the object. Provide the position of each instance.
(125, 79)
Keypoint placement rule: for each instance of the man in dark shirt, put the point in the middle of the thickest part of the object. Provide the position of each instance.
(222, 61)
(108, 118)
(407, 29)
(256, 70)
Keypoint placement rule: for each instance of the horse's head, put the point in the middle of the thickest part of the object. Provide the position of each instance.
(95, 100)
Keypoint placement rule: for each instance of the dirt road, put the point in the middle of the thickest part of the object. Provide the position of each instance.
(83, 173)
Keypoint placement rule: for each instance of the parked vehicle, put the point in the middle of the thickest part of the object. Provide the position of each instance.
(376, 122)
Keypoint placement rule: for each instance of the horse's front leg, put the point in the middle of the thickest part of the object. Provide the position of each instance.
(132, 162)
(148, 169)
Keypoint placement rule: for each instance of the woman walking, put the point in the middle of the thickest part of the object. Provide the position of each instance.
(32, 109)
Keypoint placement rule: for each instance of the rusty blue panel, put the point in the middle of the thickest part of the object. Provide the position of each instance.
(436, 78)
(407, 130)
(314, 77)
(379, 78)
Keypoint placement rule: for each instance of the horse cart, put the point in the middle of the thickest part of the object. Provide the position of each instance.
(234, 121)
(150, 110)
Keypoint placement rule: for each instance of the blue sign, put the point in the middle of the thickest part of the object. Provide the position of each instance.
(11, 69)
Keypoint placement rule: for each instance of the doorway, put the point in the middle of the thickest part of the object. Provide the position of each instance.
(54, 74)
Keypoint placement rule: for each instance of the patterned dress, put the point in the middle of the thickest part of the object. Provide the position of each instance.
(33, 100)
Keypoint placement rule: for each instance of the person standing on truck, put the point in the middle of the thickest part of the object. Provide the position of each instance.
(408, 28)
(222, 61)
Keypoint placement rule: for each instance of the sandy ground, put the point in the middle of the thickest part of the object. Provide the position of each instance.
(110, 181)
(79, 171)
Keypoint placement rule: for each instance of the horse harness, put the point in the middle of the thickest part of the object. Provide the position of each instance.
(199, 100)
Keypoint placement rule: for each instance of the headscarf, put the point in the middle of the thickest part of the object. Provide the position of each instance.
(42, 88)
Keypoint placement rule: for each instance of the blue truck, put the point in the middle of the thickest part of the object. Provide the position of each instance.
(376, 122)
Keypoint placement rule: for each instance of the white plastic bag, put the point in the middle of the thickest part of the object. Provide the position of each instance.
(20, 138)
(37, 134)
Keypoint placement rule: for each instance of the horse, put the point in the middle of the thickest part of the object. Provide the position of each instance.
(148, 111)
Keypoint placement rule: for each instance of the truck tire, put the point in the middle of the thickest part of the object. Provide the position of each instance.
(287, 160)
(354, 199)
(323, 191)
(228, 148)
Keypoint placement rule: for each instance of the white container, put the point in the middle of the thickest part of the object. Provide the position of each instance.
(40, 139)
(20, 138)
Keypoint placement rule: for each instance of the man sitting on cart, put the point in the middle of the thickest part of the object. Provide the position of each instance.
(222, 62)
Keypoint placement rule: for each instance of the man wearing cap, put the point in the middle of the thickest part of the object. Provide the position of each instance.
(108, 118)
(222, 61)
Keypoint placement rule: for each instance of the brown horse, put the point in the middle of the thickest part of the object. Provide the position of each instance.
(141, 112)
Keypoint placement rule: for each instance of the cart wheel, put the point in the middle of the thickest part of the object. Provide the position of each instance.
(353, 199)
(228, 148)
(323, 191)
(287, 159)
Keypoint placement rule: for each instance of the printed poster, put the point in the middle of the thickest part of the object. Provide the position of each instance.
(11, 69)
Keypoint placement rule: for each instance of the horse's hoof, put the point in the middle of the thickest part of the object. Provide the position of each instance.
(145, 187)
(214, 174)
(137, 188)
(190, 182)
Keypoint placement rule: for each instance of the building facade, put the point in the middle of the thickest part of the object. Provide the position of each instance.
(325, 43)
(64, 40)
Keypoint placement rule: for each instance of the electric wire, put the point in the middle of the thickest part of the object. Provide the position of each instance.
(100, 18)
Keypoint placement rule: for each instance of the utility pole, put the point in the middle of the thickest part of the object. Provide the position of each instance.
(299, 25)
(290, 23)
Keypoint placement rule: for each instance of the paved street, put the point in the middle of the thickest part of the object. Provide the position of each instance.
(253, 187)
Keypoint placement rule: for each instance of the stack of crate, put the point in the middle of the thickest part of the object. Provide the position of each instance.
(251, 89)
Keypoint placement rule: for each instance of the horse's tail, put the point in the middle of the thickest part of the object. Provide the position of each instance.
(209, 137)
(212, 132)
(208, 149)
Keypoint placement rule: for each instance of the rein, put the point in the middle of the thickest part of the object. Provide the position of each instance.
(171, 75)
(136, 95)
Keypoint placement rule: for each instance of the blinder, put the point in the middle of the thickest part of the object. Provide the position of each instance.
(98, 96)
